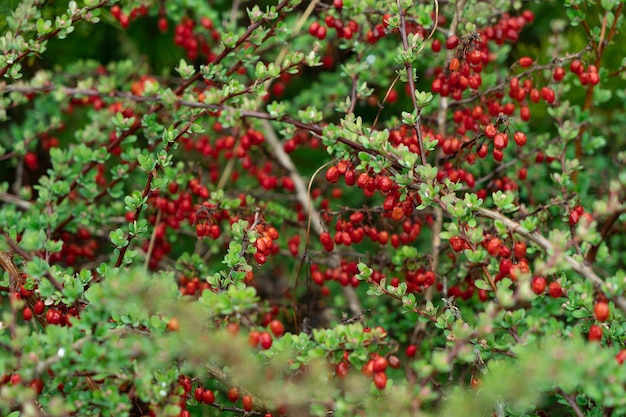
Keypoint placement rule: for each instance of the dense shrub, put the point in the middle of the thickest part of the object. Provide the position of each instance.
(357, 207)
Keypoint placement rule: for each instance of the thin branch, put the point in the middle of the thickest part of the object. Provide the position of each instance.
(409, 74)
(571, 402)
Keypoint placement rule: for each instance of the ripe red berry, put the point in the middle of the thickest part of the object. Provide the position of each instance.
(595, 333)
(208, 397)
(576, 66)
(277, 328)
(525, 61)
(457, 243)
(233, 394)
(452, 42)
(493, 247)
(380, 364)
(491, 130)
(454, 64)
(435, 45)
(162, 24)
(31, 161)
(558, 74)
(247, 402)
(265, 340)
(621, 356)
(341, 370)
(500, 141)
(197, 394)
(547, 94)
(39, 307)
(519, 248)
(538, 285)
(601, 311)
(321, 33)
(555, 289)
(332, 174)
(380, 380)
(253, 338)
(411, 350)
(54, 316)
(27, 314)
(519, 138)
(314, 28)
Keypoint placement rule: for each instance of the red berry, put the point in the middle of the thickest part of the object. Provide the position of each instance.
(436, 45)
(368, 368)
(277, 328)
(54, 316)
(253, 338)
(500, 141)
(558, 74)
(31, 161)
(162, 24)
(380, 380)
(411, 350)
(39, 307)
(534, 95)
(621, 356)
(208, 397)
(491, 130)
(197, 394)
(380, 364)
(454, 64)
(27, 313)
(332, 175)
(576, 66)
(538, 285)
(519, 249)
(555, 289)
(233, 394)
(493, 247)
(601, 311)
(265, 340)
(37, 385)
(525, 61)
(341, 370)
(247, 402)
(321, 33)
(595, 333)
(519, 138)
(394, 361)
(547, 94)
(452, 42)
(314, 28)
(457, 243)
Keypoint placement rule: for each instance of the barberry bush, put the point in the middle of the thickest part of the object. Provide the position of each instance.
(324, 208)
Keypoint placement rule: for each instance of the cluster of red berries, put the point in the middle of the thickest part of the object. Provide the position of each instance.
(344, 30)
(265, 243)
(58, 315)
(301, 138)
(36, 384)
(577, 213)
(193, 38)
(76, 246)
(264, 339)
(125, 19)
(376, 367)
(192, 286)
(590, 76)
